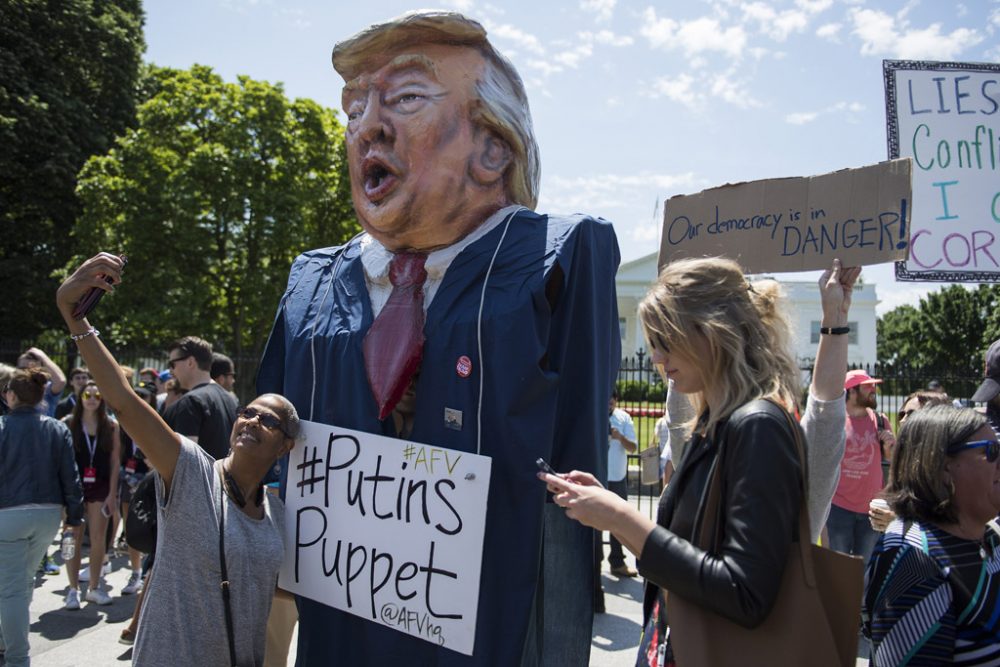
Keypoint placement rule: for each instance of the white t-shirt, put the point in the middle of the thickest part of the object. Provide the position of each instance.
(617, 456)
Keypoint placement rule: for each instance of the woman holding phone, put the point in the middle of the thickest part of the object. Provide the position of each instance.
(97, 447)
(724, 341)
(212, 516)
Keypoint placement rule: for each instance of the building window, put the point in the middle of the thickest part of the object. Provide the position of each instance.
(852, 338)
(621, 328)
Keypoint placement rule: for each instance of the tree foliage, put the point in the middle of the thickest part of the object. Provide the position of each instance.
(951, 328)
(212, 196)
(68, 73)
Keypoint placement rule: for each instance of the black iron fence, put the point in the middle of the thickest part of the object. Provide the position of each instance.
(640, 388)
(65, 355)
(642, 394)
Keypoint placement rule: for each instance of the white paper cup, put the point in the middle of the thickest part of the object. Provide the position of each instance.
(879, 503)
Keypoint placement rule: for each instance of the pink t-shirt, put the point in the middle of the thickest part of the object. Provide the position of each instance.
(861, 468)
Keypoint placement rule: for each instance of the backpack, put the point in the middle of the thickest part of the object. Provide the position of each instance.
(140, 524)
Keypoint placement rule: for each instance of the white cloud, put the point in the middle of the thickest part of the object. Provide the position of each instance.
(460, 5)
(572, 57)
(684, 90)
(606, 37)
(779, 25)
(804, 117)
(519, 37)
(543, 66)
(647, 232)
(776, 25)
(814, 6)
(732, 91)
(883, 34)
(693, 37)
(679, 89)
(801, 118)
(602, 9)
(558, 54)
(600, 192)
(829, 31)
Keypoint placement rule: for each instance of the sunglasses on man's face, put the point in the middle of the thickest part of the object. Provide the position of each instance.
(92, 394)
(267, 420)
(173, 362)
(992, 448)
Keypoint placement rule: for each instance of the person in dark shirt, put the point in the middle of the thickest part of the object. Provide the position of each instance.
(207, 412)
(989, 391)
(78, 379)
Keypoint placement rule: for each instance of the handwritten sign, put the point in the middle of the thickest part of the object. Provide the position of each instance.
(946, 116)
(795, 224)
(388, 530)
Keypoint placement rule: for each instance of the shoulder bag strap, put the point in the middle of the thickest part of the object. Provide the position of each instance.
(709, 527)
(225, 574)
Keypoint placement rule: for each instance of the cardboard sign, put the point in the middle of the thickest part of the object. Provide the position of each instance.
(946, 116)
(795, 224)
(388, 530)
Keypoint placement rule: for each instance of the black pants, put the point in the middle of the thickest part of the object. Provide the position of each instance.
(617, 556)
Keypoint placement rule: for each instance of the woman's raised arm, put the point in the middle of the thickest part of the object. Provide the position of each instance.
(160, 445)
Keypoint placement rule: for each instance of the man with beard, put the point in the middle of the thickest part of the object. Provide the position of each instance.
(501, 321)
(869, 437)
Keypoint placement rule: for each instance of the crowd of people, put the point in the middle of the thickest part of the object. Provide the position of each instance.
(70, 468)
(933, 511)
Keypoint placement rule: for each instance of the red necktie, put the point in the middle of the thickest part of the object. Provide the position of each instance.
(394, 345)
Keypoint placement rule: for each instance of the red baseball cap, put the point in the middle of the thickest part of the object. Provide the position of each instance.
(858, 376)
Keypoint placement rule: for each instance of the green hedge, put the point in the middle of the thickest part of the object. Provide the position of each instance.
(637, 390)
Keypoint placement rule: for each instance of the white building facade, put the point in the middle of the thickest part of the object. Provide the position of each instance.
(803, 308)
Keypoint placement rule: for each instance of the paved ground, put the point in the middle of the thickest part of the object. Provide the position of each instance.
(89, 637)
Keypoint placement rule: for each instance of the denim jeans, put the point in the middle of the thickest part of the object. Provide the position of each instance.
(851, 532)
(559, 628)
(25, 534)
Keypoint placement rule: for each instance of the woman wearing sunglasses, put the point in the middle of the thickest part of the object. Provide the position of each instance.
(726, 342)
(97, 446)
(185, 620)
(932, 589)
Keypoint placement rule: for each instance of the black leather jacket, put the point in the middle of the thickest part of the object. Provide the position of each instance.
(37, 464)
(761, 494)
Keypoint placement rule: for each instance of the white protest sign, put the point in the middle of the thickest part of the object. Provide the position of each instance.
(946, 116)
(795, 224)
(388, 530)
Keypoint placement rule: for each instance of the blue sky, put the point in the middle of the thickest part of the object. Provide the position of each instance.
(634, 102)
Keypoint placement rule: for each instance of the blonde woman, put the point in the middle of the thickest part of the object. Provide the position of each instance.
(724, 342)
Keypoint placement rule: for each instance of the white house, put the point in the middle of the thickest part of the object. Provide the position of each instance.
(635, 277)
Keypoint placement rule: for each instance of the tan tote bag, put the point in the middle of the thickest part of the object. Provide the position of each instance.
(814, 620)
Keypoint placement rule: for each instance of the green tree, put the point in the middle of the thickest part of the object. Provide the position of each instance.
(898, 335)
(212, 196)
(950, 329)
(68, 73)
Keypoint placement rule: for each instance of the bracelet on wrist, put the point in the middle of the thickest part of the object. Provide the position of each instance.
(89, 332)
(835, 331)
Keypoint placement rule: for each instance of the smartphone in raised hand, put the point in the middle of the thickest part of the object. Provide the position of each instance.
(93, 296)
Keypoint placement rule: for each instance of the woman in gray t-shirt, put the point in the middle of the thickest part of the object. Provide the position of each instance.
(183, 620)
